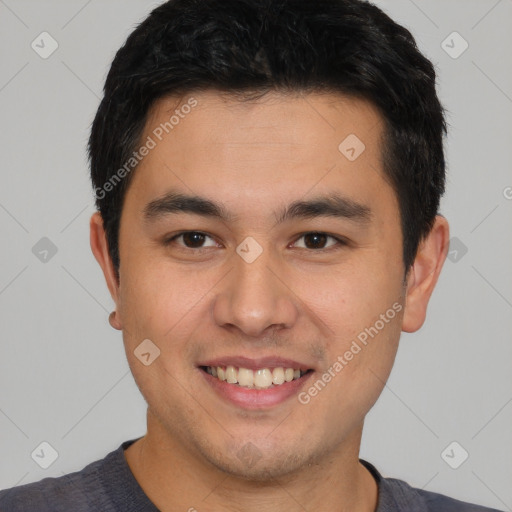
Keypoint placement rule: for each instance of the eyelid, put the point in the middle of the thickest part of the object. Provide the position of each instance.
(340, 241)
(169, 240)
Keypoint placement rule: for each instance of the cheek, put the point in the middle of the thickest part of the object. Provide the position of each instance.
(356, 374)
(362, 311)
(165, 304)
(152, 290)
(348, 299)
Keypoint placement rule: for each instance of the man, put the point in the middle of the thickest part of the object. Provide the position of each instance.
(267, 177)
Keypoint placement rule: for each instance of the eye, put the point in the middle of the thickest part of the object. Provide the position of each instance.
(314, 241)
(317, 240)
(190, 240)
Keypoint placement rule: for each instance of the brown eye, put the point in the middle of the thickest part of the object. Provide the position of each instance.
(318, 240)
(315, 240)
(190, 240)
(193, 239)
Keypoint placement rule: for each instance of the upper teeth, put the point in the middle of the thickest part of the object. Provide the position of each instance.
(259, 379)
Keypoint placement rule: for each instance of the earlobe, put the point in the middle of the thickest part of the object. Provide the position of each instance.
(423, 275)
(99, 247)
(114, 321)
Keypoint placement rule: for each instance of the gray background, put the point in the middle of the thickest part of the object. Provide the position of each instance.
(63, 372)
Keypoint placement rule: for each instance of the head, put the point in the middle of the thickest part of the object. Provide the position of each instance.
(311, 132)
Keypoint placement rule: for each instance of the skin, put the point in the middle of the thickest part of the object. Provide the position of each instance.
(306, 304)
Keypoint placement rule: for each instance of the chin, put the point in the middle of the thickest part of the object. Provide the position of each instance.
(253, 462)
(264, 470)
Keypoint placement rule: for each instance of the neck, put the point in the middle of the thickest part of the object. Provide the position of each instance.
(176, 479)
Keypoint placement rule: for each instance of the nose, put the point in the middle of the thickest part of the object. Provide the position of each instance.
(255, 297)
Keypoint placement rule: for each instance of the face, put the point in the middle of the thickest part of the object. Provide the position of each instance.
(290, 256)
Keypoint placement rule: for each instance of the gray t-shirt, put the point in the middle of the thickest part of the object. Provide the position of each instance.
(108, 485)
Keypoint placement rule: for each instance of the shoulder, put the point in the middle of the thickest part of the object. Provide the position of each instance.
(398, 496)
(434, 502)
(80, 491)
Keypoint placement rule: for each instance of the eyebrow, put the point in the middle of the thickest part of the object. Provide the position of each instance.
(332, 205)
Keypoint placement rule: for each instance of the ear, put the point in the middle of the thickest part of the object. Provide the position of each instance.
(99, 246)
(424, 273)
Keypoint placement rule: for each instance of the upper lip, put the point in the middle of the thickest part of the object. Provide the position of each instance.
(256, 363)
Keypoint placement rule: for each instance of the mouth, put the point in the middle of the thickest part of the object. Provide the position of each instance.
(262, 378)
(255, 384)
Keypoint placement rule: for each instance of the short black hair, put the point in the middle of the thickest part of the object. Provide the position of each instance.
(247, 47)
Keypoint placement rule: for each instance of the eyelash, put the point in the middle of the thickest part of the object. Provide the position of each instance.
(340, 241)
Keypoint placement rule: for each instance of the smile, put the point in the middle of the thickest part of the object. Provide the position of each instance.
(263, 378)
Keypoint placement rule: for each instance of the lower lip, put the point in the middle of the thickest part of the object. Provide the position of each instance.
(248, 398)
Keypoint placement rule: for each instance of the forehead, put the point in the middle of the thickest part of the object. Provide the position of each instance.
(278, 146)
(273, 120)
